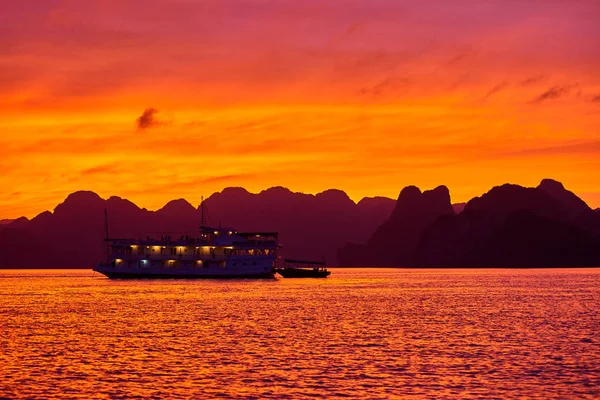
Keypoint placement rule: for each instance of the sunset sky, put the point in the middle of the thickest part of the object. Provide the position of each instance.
(154, 100)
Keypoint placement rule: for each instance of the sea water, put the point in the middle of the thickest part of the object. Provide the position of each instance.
(361, 333)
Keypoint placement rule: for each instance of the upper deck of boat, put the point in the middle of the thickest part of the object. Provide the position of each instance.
(207, 238)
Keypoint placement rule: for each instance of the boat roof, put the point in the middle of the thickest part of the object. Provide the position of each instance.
(218, 240)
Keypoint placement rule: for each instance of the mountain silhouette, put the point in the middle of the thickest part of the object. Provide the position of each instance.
(572, 204)
(310, 226)
(526, 239)
(179, 208)
(458, 207)
(501, 201)
(514, 226)
(393, 242)
(509, 226)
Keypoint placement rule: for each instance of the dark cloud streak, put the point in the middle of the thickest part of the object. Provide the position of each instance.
(532, 80)
(552, 93)
(496, 89)
(385, 87)
(147, 120)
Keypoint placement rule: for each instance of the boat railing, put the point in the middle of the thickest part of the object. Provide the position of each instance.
(161, 242)
(189, 242)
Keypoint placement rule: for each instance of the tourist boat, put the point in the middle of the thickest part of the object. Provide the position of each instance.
(303, 269)
(213, 253)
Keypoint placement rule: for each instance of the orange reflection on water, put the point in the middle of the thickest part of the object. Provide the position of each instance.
(360, 333)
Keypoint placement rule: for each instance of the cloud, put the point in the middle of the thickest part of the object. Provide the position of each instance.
(596, 99)
(101, 169)
(386, 86)
(147, 120)
(532, 80)
(496, 89)
(573, 148)
(552, 93)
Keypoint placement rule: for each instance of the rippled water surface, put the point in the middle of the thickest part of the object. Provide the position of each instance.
(361, 333)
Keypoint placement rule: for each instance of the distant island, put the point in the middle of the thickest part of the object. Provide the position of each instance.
(508, 227)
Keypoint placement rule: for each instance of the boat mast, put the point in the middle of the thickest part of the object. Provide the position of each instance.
(106, 250)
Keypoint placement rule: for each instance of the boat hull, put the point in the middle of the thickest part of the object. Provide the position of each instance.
(200, 273)
(302, 273)
(125, 275)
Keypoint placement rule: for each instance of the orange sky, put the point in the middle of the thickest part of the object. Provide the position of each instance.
(366, 96)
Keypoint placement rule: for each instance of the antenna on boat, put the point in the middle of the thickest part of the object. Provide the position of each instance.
(106, 235)
(204, 214)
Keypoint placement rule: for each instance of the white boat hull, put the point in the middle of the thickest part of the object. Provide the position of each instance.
(192, 273)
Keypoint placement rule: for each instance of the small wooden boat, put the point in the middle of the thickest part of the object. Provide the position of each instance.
(294, 269)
